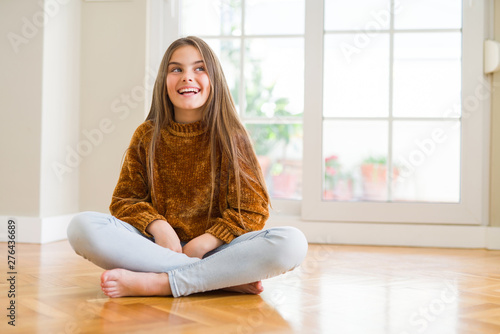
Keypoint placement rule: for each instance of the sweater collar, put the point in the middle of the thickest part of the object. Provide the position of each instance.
(187, 130)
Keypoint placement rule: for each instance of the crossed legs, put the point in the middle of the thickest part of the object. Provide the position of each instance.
(139, 267)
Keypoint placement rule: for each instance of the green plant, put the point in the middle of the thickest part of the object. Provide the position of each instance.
(261, 102)
(375, 160)
(334, 172)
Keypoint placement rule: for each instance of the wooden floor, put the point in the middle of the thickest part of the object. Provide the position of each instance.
(338, 289)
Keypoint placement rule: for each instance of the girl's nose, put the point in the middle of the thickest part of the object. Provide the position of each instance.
(187, 77)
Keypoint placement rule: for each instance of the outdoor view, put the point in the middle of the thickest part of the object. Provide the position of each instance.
(392, 101)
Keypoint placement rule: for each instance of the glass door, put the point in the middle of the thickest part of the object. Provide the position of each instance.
(402, 102)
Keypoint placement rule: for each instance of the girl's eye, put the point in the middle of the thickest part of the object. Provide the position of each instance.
(201, 68)
(175, 69)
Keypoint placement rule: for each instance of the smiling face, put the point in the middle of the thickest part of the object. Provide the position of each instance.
(188, 85)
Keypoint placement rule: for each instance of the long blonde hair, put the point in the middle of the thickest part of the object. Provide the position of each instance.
(225, 130)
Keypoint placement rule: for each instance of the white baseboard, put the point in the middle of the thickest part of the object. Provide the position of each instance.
(379, 234)
(493, 238)
(35, 229)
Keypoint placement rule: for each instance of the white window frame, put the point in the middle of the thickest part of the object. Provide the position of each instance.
(473, 207)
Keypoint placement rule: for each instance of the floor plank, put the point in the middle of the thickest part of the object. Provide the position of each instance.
(338, 289)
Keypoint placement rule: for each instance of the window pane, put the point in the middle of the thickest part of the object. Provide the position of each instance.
(367, 15)
(279, 150)
(356, 83)
(427, 157)
(428, 14)
(274, 17)
(355, 155)
(274, 77)
(210, 18)
(228, 52)
(427, 74)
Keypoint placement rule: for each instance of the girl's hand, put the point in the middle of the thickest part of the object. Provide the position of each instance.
(201, 245)
(164, 235)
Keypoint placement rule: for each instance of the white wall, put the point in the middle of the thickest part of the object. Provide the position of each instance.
(39, 115)
(73, 92)
(495, 137)
(60, 108)
(20, 108)
(113, 62)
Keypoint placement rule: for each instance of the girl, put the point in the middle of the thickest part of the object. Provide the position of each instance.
(191, 202)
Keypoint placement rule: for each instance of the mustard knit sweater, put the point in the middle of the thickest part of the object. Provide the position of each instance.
(183, 187)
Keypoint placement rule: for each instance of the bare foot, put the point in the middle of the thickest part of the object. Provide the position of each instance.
(121, 283)
(252, 288)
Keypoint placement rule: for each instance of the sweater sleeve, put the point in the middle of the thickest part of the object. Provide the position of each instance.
(128, 202)
(254, 204)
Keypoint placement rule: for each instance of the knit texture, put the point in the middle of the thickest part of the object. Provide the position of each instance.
(183, 187)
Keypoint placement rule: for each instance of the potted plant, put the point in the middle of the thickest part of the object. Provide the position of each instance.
(374, 177)
(338, 185)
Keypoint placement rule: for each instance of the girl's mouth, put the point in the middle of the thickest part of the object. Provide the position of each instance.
(188, 91)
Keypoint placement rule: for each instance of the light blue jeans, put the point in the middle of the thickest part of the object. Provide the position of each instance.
(111, 243)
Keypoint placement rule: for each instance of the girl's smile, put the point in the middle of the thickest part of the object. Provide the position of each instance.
(188, 91)
(188, 84)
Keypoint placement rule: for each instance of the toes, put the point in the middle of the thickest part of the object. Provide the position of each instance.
(255, 291)
(114, 294)
(256, 287)
(110, 292)
(107, 290)
(106, 277)
(109, 284)
(107, 293)
(111, 275)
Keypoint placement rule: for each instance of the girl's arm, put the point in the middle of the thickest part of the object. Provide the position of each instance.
(129, 202)
(254, 201)
(201, 245)
(164, 235)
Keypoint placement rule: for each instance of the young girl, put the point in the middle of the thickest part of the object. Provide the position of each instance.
(191, 202)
